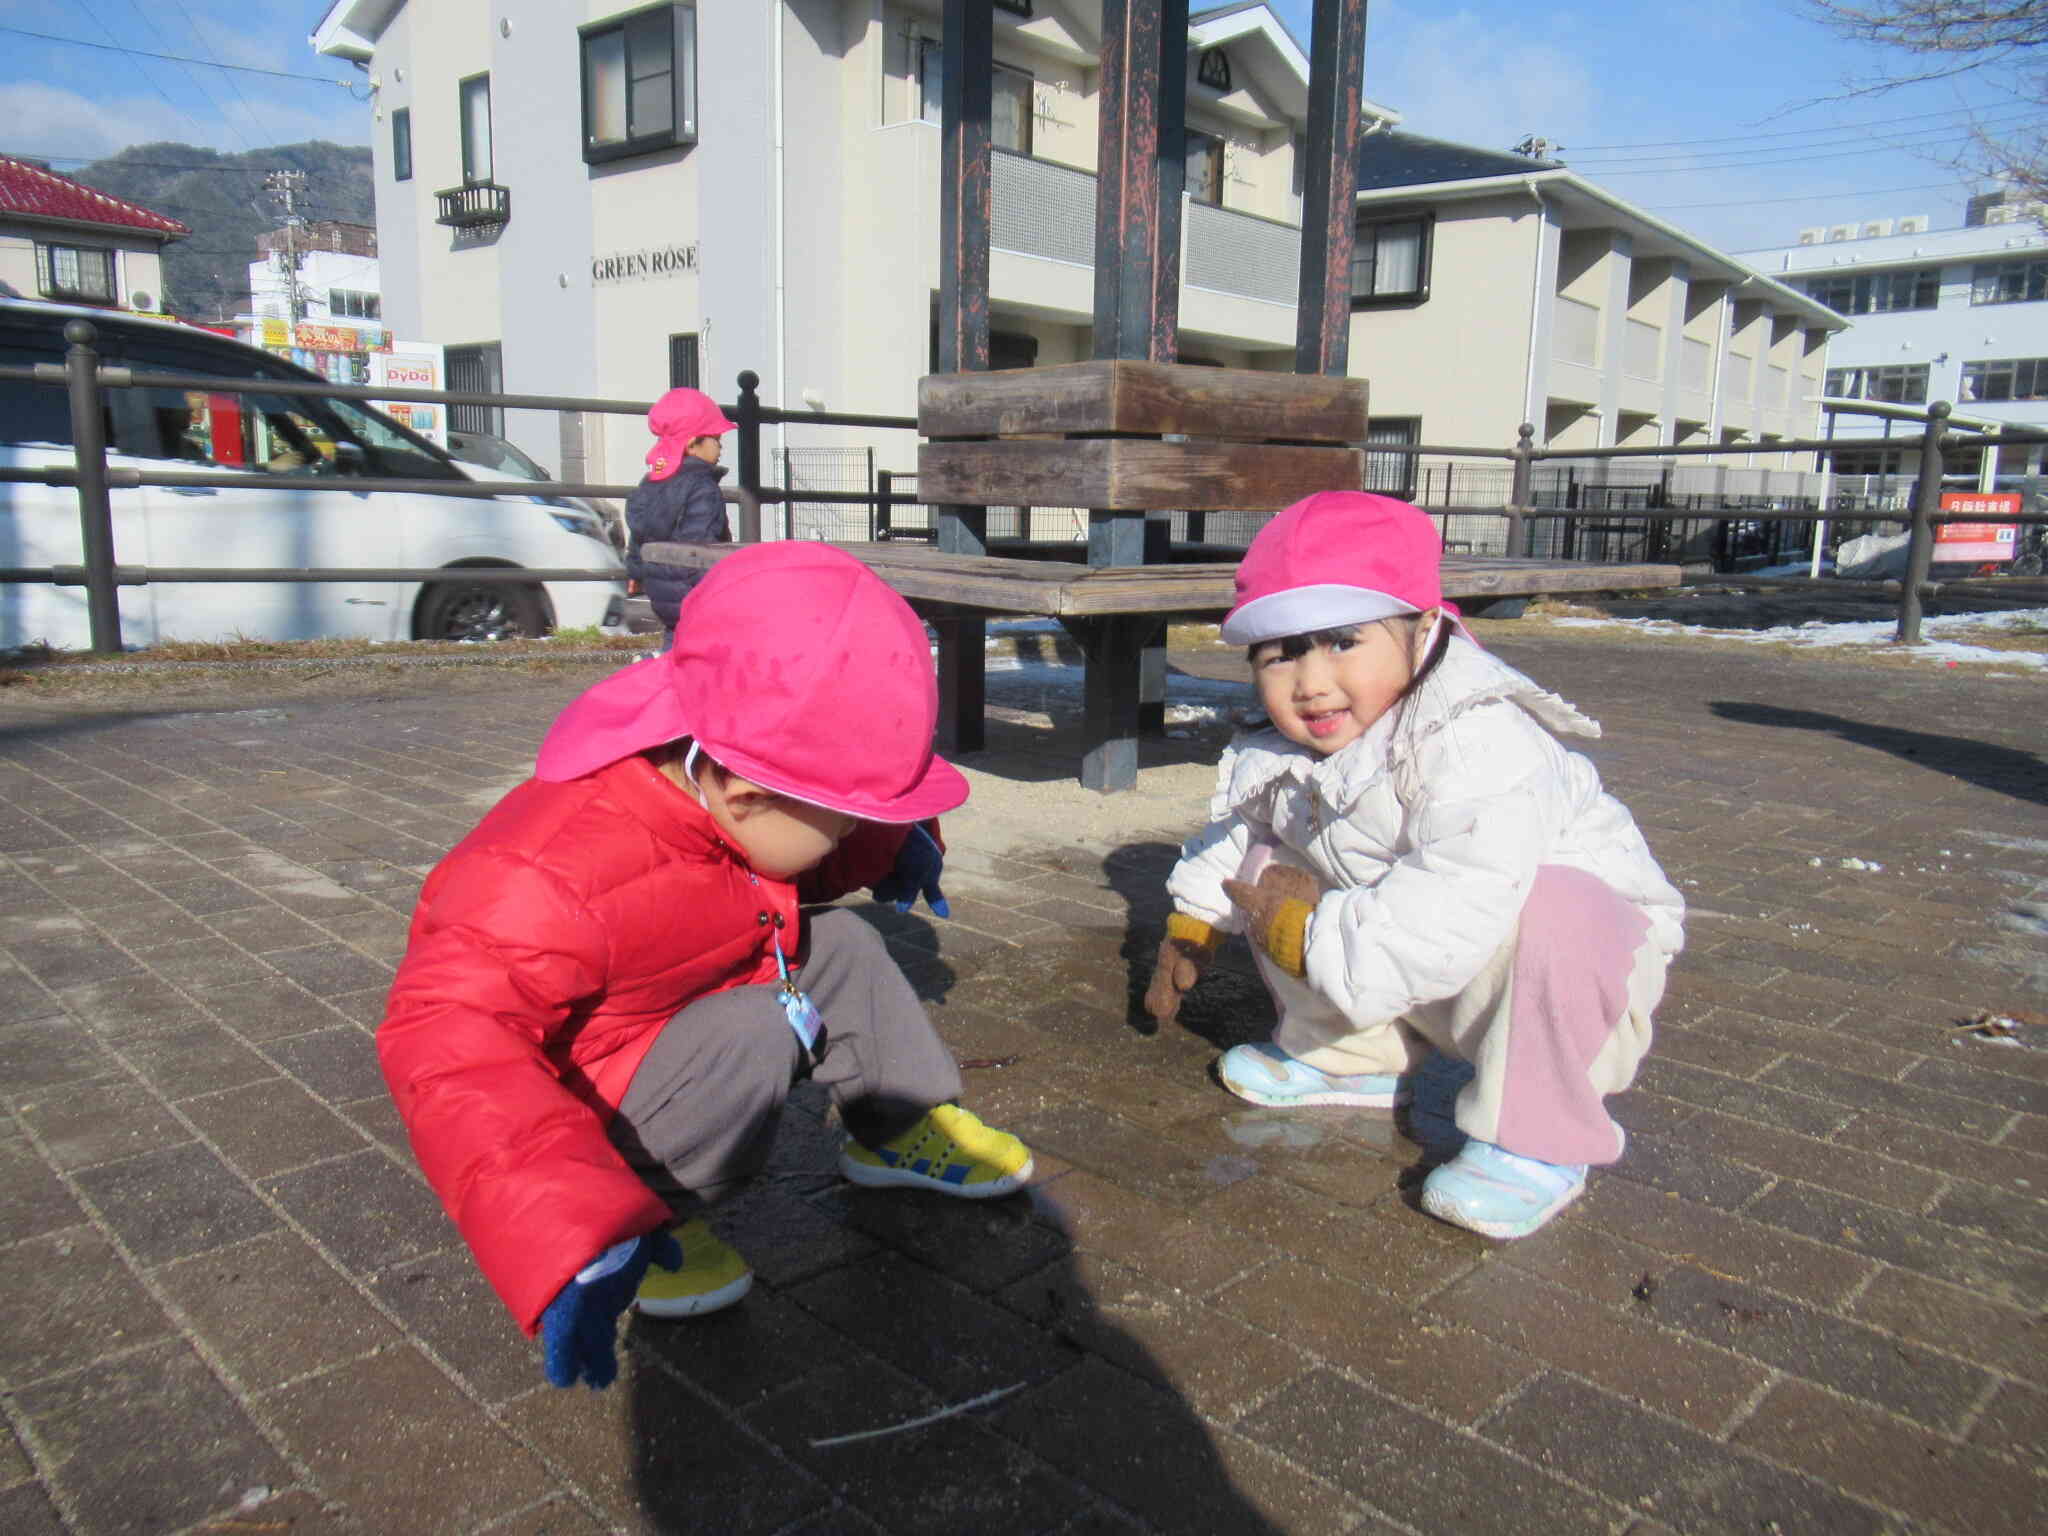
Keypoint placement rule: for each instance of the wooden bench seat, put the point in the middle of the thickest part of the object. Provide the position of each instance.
(1107, 607)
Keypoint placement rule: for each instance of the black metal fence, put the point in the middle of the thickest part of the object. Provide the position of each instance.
(1619, 505)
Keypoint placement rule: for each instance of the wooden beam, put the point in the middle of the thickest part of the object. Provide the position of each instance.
(1147, 399)
(1133, 474)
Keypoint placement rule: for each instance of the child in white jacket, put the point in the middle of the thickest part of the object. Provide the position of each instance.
(1419, 864)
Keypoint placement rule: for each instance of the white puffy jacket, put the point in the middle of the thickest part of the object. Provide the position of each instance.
(1427, 831)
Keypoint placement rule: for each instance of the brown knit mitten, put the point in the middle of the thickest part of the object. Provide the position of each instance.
(1277, 911)
(1189, 945)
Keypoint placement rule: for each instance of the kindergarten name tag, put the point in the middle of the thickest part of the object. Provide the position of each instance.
(802, 1014)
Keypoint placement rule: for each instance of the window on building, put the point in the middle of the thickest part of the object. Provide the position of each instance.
(639, 82)
(2009, 282)
(1390, 260)
(75, 272)
(1010, 114)
(1878, 293)
(1392, 474)
(685, 361)
(475, 93)
(478, 369)
(1900, 383)
(1010, 107)
(354, 304)
(401, 144)
(2009, 378)
(1205, 167)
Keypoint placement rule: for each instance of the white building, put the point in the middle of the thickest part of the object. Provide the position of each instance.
(589, 199)
(1937, 314)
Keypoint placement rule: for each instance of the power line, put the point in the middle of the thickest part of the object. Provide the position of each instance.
(1810, 197)
(198, 85)
(144, 53)
(1894, 146)
(1744, 138)
(2008, 120)
(152, 79)
(214, 58)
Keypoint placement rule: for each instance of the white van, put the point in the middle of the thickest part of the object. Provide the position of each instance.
(297, 454)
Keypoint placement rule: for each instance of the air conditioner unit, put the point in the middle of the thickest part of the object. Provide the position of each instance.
(1875, 229)
(143, 300)
(1912, 224)
(1841, 232)
(1813, 236)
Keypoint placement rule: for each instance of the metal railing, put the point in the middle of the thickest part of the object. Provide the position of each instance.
(1528, 517)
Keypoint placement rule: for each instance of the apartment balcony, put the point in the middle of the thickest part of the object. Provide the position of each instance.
(476, 205)
(1042, 209)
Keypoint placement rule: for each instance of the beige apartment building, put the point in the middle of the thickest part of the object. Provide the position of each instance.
(579, 198)
(1491, 289)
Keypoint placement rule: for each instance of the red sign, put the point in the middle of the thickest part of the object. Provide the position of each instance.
(1972, 543)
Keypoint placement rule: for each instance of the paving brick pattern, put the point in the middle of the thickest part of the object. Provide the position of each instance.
(1810, 1299)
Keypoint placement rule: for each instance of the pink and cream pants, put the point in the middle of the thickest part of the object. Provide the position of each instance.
(1555, 1021)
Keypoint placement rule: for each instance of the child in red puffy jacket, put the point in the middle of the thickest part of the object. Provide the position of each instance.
(609, 987)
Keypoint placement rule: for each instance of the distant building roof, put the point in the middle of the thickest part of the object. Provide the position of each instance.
(32, 191)
(1392, 158)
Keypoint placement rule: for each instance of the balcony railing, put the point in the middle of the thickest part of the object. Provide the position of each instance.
(475, 205)
(1040, 208)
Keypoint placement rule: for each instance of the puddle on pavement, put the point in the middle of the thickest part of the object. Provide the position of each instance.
(1284, 1130)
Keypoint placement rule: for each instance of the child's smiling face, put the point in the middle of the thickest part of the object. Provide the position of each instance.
(1329, 693)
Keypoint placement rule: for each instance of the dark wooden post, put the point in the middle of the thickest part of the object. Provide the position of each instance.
(1141, 173)
(1926, 502)
(95, 512)
(965, 191)
(1329, 190)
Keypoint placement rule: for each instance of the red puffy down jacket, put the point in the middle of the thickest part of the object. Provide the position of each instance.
(548, 950)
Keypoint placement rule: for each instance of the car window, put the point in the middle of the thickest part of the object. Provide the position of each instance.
(283, 434)
(30, 412)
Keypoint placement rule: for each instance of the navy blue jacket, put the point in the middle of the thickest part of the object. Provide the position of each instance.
(683, 509)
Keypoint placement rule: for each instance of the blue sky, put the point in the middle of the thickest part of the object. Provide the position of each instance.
(1628, 89)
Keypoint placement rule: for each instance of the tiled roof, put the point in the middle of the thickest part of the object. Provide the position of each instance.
(1394, 159)
(31, 190)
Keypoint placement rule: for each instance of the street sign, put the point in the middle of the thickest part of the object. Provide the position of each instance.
(1977, 543)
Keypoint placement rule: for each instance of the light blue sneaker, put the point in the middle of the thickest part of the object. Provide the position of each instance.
(1498, 1193)
(1265, 1074)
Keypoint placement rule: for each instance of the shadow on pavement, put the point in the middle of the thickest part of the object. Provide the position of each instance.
(2007, 770)
(875, 1310)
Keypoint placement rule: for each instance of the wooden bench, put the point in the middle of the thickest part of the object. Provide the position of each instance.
(1097, 604)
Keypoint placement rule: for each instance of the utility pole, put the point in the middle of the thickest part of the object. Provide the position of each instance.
(287, 187)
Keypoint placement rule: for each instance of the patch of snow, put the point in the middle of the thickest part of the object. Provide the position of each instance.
(1861, 864)
(1819, 633)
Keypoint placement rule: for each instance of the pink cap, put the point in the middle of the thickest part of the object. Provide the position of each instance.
(1332, 559)
(678, 419)
(794, 666)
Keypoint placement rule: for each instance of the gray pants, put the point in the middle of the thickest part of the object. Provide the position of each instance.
(697, 1119)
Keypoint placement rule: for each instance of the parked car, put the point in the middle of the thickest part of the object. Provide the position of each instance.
(500, 459)
(297, 509)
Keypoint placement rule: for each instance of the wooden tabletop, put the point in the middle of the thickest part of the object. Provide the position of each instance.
(1068, 589)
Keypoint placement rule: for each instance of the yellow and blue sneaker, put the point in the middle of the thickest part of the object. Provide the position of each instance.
(949, 1151)
(712, 1278)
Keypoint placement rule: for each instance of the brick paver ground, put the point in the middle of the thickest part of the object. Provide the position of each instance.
(1809, 1300)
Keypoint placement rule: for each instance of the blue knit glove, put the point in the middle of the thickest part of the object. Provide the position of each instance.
(579, 1329)
(917, 871)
